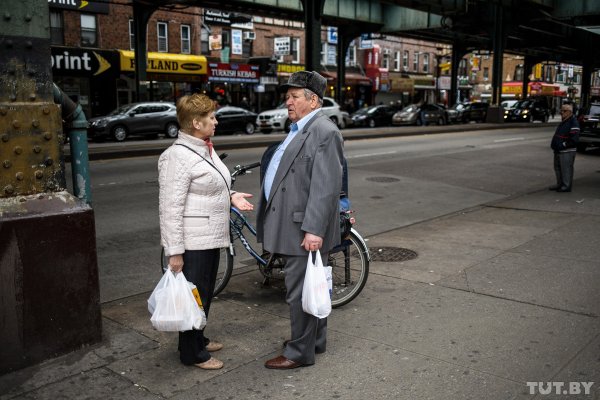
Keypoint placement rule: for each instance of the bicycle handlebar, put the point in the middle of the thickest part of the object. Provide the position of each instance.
(242, 169)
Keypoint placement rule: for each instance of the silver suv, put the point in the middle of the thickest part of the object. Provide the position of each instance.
(277, 119)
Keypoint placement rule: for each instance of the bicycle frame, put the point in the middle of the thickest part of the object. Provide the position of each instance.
(236, 225)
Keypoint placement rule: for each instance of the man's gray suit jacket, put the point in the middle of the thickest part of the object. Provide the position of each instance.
(305, 192)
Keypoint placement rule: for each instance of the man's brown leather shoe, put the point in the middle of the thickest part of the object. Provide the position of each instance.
(282, 362)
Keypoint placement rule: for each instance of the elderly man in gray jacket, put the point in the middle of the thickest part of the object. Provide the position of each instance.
(298, 210)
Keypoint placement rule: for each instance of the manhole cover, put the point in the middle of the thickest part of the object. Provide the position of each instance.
(391, 254)
(383, 179)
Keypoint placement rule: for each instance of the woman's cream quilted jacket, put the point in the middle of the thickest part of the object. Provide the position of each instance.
(194, 198)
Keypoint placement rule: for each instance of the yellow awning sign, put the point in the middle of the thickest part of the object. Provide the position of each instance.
(166, 63)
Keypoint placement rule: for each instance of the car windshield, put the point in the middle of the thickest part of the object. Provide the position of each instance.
(523, 104)
(122, 110)
(594, 109)
(410, 109)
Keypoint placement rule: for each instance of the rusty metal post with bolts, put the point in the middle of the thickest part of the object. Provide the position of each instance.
(49, 294)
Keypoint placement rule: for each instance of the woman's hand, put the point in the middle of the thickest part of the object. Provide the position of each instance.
(238, 200)
(176, 263)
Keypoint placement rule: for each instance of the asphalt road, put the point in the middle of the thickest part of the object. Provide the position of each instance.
(394, 182)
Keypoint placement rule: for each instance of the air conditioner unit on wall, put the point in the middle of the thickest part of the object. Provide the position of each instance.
(249, 35)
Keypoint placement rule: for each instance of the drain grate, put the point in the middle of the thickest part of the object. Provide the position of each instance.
(391, 254)
(383, 179)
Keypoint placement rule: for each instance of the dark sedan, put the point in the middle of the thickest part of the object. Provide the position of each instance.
(423, 114)
(235, 119)
(528, 110)
(373, 116)
(150, 119)
(474, 111)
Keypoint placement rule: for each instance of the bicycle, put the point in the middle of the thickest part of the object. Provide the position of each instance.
(349, 260)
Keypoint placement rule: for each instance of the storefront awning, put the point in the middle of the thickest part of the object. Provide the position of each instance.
(423, 81)
(534, 88)
(350, 78)
(167, 63)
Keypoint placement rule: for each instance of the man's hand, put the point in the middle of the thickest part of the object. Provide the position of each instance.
(311, 242)
(238, 200)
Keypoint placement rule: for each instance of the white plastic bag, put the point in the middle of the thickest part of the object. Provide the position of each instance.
(316, 299)
(173, 306)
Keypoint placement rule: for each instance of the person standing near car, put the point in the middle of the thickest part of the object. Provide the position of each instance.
(564, 143)
(194, 202)
(298, 211)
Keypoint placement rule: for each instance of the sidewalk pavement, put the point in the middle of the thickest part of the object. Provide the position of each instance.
(500, 295)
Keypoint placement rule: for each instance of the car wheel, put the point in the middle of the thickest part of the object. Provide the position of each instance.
(172, 130)
(371, 123)
(249, 128)
(335, 121)
(119, 133)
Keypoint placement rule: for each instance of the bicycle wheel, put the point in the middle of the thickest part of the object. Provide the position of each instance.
(350, 269)
(223, 275)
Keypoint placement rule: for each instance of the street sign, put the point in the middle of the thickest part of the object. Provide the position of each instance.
(281, 46)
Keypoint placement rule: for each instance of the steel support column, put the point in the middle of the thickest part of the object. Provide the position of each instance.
(528, 64)
(457, 54)
(586, 79)
(141, 16)
(498, 43)
(49, 292)
(345, 35)
(313, 12)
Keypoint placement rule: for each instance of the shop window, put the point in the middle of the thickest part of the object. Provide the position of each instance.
(426, 63)
(462, 67)
(186, 39)
(295, 50)
(204, 35)
(518, 74)
(57, 32)
(396, 61)
(385, 62)
(131, 35)
(226, 38)
(416, 61)
(163, 37)
(351, 56)
(405, 60)
(88, 31)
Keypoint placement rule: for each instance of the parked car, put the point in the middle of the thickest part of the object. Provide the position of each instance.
(474, 111)
(277, 119)
(454, 113)
(424, 114)
(373, 116)
(528, 110)
(347, 119)
(235, 119)
(589, 122)
(148, 118)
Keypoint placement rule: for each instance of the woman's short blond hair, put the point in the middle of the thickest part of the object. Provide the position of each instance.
(196, 106)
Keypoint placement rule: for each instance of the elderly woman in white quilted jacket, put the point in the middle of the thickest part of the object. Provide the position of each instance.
(194, 202)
